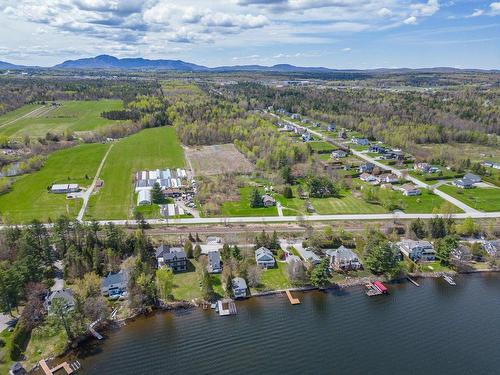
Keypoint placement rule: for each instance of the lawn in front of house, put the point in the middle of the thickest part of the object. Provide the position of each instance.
(242, 207)
(147, 150)
(427, 202)
(483, 199)
(29, 199)
(187, 284)
(346, 204)
(321, 147)
(274, 279)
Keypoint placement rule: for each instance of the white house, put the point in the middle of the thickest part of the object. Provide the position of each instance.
(344, 259)
(264, 258)
(239, 286)
(417, 250)
(410, 190)
(338, 154)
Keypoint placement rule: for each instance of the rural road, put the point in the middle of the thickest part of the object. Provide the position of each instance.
(396, 171)
(86, 195)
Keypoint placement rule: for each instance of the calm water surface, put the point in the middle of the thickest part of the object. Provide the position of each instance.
(434, 329)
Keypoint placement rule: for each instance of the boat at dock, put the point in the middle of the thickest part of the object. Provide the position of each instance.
(449, 280)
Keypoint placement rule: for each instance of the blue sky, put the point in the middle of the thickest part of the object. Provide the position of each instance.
(333, 33)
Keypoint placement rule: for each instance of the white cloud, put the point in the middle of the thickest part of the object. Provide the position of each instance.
(495, 8)
(347, 49)
(410, 20)
(425, 9)
(384, 12)
(476, 13)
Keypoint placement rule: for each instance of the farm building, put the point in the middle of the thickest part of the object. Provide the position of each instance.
(168, 179)
(144, 198)
(64, 188)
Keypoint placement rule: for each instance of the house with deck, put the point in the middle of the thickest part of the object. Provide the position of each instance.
(63, 295)
(239, 287)
(344, 259)
(264, 258)
(114, 284)
(173, 257)
(417, 250)
(410, 190)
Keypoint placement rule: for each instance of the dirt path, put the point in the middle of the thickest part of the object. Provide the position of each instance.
(33, 113)
(86, 195)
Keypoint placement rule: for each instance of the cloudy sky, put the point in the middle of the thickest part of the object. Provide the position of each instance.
(331, 33)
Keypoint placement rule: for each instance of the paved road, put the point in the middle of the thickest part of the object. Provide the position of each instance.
(396, 171)
(86, 195)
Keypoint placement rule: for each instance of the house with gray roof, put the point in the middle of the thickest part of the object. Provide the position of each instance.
(66, 295)
(492, 248)
(474, 178)
(214, 264)
(344, 259)
(173, 257)
(114, 284)
(264, 258)
(239, 286)
(417, 250)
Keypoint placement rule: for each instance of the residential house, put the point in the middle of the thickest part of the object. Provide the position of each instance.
(410, 190)
(491, 164)
(264, 258)
(463, 183)
(331, 127)
(377, 148)
(295, 116)
(388, 178)
(311, 257)
(344, 259)
(360, 141)
(343, 134)
(114, 284)
(474, 178)
(366, 177)
(422, 167)
(462, 254)
(214, 263)
(337, 154)
(366, 168)
(307, 137)
(173, 257)
(417, 250)
(268, 201)
(239, 286)
(492, 248)
(213, 240)
(65, 295)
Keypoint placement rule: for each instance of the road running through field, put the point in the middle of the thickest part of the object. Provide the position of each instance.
(86, 194)
(397, 172)
(33, 113)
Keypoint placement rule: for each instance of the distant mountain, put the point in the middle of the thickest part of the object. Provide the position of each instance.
(111, 62)
(6, 65)
(283, 68)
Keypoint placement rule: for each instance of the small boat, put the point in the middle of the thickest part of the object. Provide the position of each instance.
(449, 280)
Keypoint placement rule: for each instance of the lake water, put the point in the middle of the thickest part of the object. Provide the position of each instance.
(434, 329)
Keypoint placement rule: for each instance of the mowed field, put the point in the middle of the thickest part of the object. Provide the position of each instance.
(75, 116)
(218, 159)
(29, 198)
(482, 199)
(148, 149)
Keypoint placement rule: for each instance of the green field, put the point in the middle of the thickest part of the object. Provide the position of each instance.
(148, 149)
(242, 206)
(187, 284)
(426, 203)
(483, 199)
(75, 116)
(321, 147)
(29, 198)
(347, 204)
(274, 279)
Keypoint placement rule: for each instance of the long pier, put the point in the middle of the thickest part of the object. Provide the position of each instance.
(293, 301)
(69, 369)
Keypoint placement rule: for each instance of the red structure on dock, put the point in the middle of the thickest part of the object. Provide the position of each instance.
(381, 287)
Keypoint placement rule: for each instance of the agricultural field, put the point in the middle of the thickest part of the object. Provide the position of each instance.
(474, 152)
(218, 159)
(148, 149)
(29, 199)
(482, 199)
(73, 116)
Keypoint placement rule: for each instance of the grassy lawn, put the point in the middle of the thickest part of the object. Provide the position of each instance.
(73, 116)
(12, 115)
(483, 199)
(436, 266)
(274, 279)
(29, 199)
(445, 174)
(242, 206)
(148, 149)
(187, 284)
(5, 360)
(46, 341)
(426, 203)
(347, 204)
(321, 147)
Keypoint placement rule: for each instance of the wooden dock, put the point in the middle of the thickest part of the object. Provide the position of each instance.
(226, 307)
(293, 301)
(412, 281)
(371, 290)
(68, 368)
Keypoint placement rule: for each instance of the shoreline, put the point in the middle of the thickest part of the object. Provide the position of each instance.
(187, 305)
